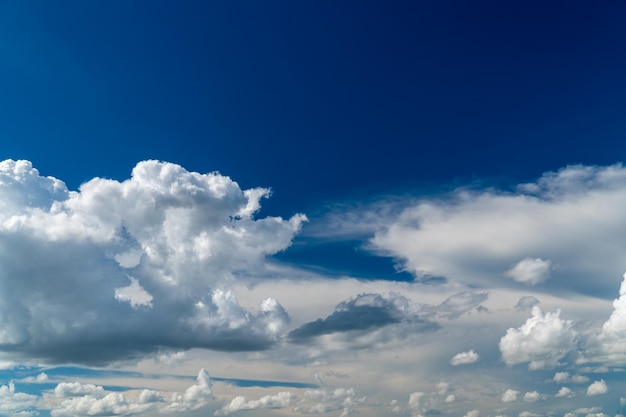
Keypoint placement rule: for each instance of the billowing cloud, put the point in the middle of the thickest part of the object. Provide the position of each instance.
(542, 340)
(13, 403)
(611, 342)
(118, 269)
(464, 358)
(530, 271)
(367, 313)
(597, 388)
(565, 392)
(78, 399)
(531, 397)
(470, 237)
(509, 396)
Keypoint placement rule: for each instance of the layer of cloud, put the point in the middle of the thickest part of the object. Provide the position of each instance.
(281, 400)
(321, 401)
(118, 269)
(471, 236)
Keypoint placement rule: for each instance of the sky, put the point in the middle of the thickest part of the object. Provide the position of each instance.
(295, 208)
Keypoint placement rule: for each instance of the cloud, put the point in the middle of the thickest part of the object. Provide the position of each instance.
(457, 305)
(321, 401)
(414, 400)
(119, 269)
(281, 400)
(565, 392)
(542, 340)
(530, 271)
(471, 236)
(597, 388)
(12, 402)
(39, 379)
(367, 313)
(565, 377)
(77, 399)
(464, 358)
(509, 396)
(610, 346)
(526, 303)
(531, 397)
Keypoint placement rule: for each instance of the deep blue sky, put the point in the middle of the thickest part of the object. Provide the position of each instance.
(317, 99)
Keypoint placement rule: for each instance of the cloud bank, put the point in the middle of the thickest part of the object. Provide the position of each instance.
(572, 218)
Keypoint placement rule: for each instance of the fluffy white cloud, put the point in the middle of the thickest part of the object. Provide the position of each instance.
(542, 340)
(530, 271)
(13, 403)
(565, 377)
(597, 388)
(509, 396)
(118, 269)
(472, 413)
(87, 400)
(472, 236)
(281, 400)
(565, 392)
(610, 346)
(531, 397)
(464, 358)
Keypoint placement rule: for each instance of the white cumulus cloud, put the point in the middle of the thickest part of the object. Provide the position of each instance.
(509, 396)
(565, 392)
(541, 341)
(597, 388)
(146, 262)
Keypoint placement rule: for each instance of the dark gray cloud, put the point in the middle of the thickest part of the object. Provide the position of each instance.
(366, 312)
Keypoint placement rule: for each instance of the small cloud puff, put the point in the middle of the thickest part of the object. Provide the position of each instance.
(565, 392)
(464, 358)
(530, 271)
(509, 396)
(597, 388)
(531, 397)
